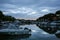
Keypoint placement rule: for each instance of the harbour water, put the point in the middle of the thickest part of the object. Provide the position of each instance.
(36, 34)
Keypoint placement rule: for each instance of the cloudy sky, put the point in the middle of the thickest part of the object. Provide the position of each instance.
(29, 9)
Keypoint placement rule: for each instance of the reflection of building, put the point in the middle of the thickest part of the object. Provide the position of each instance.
(57, 34)
(48, 29)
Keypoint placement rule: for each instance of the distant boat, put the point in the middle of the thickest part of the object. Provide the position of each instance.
(55, 24)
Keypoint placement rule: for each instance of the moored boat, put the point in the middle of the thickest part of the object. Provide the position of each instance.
(14, 31)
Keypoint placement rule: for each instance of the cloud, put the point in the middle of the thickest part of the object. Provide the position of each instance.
(44, 10)
(33, 3)
(23, 10)
(29, 8)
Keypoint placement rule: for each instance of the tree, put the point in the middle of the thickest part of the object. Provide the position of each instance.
(1, 15)
(58, 14)
(6, 17)
(51, 17)
(48, 17)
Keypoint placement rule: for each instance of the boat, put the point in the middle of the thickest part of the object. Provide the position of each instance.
(14, 32)
(14, 29)
(55, 24)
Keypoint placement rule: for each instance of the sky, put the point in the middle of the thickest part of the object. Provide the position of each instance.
(29, 9)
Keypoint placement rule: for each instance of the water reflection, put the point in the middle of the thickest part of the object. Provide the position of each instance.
(50, 29)
(39, 32)
(58, 35)
(14, 37)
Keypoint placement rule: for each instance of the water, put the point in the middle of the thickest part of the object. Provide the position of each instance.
(36, 34)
